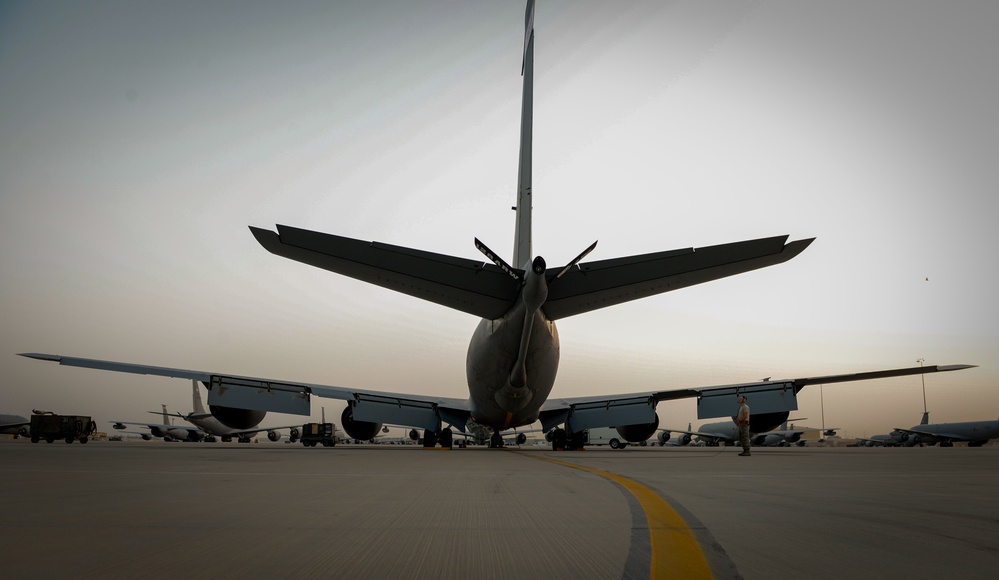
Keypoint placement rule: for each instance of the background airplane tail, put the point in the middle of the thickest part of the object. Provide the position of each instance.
(199, 407)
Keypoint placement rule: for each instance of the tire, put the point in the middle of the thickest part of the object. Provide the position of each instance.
(83, 440)
(615, 444)
(49, 439)
(69, 440)
(35, 439)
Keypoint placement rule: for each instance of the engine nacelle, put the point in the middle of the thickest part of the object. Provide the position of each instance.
(663, 438)
(638, 433)
(273, 435)
(765, 422)
(521, 438)
(294, 434)
(414, 435)
(360, 430)
(237, 418)
(119, 426)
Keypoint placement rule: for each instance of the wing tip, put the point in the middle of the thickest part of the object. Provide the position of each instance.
(270, 240)
(40, 356)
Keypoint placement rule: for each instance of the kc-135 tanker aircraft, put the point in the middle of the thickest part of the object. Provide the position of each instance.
(513, 354)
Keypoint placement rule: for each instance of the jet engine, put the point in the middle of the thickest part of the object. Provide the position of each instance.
(360, 430)
(237, 418)
(638, 433)
(273, 435)
(294, 434)
(414, 435)
(764, 422)
(521, 438)
(663, 438)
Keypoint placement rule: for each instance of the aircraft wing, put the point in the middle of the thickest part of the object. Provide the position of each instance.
(604, 283)
(260, 394)
(770, 396)
(8, 425)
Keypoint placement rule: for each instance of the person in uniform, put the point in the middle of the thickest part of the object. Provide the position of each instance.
(742, 420)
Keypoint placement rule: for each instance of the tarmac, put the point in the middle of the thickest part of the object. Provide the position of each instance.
(201, 510)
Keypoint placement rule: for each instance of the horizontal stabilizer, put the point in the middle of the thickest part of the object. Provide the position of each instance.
(470, 286)
(608, 282)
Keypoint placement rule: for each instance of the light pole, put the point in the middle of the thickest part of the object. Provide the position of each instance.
(922, 377)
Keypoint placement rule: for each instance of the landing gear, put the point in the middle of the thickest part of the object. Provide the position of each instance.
(558, 439)
(429, 439)
(446, 438)
(496, 441)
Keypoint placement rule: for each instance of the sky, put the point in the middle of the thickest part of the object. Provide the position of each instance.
(140, 139)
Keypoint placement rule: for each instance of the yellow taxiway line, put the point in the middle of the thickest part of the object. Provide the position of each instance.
(675, 551)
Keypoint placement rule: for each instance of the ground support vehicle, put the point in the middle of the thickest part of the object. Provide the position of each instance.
(313, 433)
(49, 426)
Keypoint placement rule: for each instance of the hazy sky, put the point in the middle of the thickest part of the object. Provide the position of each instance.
(140, 139)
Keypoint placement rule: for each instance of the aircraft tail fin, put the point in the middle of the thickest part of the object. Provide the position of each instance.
(522, 233)
(199, 407)
(926, 418)
(166, 417)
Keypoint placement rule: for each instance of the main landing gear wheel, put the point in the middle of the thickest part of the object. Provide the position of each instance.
(558, 439)
(447, 438)
(429, 439)
(496, 441)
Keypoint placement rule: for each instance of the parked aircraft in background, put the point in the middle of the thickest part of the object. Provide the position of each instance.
(787, 436)
(726, 432)
(974, 433)
(208, 424)
(665, 438)
(513, 355)
(15, 425)
(166, 430)
(883, 440)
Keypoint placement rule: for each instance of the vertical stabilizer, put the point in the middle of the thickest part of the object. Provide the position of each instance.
(522, 234)
(199, 407)
(926, 418)
(166, 417)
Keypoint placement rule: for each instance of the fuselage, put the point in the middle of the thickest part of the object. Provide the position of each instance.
(970, 430)
(512, 361)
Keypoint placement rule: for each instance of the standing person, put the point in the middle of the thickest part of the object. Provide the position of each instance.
(742, 420)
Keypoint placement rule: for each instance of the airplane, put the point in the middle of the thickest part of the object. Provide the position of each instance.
(513, 354)
(727, 433)
(15, 425)
(207, 427)
(665, 438)
(974, 433)
(165, 430)
(786, 436)
(882, 440)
